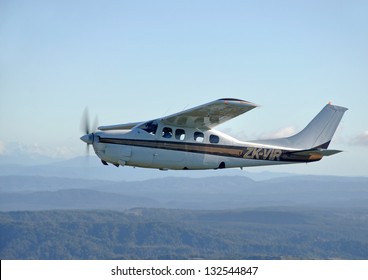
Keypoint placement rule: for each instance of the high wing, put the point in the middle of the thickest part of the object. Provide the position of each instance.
(203, 117)
(209, 115)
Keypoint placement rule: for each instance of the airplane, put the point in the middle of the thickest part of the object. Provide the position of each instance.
(188, 141)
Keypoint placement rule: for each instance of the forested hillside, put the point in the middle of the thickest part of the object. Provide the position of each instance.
(269, 233)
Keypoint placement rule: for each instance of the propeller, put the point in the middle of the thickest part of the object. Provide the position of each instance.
(87, 129)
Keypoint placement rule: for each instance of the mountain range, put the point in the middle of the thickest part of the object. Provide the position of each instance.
(90, 167)
(217, 192)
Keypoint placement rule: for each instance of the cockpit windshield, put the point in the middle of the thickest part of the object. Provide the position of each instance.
(150, 127)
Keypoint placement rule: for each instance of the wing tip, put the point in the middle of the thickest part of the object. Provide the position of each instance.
(236, 100)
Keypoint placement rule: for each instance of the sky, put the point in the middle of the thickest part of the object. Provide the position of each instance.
(132, 61)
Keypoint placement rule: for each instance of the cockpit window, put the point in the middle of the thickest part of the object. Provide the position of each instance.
(150, 127)
(167, 132)
(180, 134)
(198, 136)
(214, 139)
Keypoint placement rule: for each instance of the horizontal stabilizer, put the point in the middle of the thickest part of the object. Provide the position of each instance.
(318, 152)
(309, 155)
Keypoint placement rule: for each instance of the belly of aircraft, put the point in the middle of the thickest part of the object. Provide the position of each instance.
(149, 157)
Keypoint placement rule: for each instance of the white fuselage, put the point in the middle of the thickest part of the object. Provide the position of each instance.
(178, 148)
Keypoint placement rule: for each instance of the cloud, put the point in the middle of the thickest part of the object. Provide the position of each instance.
(2, 147)
(361, 139)
(47, 151)
(280, 133)
(15, 152)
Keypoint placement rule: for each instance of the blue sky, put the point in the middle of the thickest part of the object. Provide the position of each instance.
(136, 60)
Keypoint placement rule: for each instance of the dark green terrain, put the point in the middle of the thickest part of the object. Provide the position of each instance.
(277, 233)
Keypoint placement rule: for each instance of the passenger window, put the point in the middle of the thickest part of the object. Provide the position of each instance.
(150, 127)
(198, 136)
(167, 132)
(214, 139)
(180, 134)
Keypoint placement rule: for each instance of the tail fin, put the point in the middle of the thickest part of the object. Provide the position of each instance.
(317, 134)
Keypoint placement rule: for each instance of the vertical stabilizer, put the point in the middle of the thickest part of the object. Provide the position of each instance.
(317, 134)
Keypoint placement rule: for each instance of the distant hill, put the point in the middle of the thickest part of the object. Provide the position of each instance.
(263, 233)
(71, 199)
(91, 168)
(222, 192)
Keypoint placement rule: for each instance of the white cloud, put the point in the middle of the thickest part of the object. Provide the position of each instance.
(361, 139)
(34, 151)
(280, 133)
(2, 147)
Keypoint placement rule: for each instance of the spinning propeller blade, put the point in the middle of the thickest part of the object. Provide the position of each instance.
(85, 122)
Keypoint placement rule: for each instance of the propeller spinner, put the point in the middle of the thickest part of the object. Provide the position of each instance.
(89, 136)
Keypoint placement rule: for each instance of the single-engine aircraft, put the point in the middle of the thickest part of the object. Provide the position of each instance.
(188, 141)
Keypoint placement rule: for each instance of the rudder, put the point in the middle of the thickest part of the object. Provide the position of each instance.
(317, 134)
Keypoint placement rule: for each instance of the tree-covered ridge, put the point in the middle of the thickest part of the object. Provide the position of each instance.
(269, 233)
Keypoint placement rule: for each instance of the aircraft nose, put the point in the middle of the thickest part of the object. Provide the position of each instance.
(88, 138)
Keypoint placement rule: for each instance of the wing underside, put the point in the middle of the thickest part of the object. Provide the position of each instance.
(209, 115)
(119, 126)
